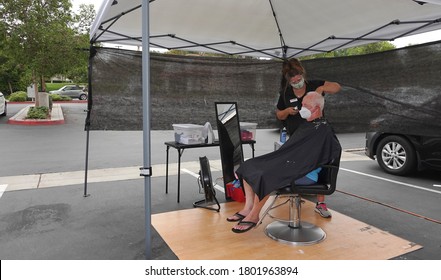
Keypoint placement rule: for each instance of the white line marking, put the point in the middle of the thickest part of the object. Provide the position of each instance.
(190, 172)
(392, 181)
(2, 189)
(438, 186)
(216, 186)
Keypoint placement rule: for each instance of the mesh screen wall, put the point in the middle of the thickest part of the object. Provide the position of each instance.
(396, 90)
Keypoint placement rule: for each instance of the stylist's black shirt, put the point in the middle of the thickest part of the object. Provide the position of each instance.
(288, 99)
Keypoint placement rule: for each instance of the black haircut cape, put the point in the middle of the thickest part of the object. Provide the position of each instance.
(312, 145)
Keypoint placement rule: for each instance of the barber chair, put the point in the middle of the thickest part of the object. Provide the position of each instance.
(294, 231)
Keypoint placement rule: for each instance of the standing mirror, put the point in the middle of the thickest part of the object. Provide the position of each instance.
(227, 121)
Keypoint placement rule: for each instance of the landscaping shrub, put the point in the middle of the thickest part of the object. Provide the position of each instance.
(19, 96)
(57, 97)
(40, 112)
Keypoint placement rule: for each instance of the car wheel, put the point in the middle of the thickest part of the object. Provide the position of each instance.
(83, 97)
(396, 155)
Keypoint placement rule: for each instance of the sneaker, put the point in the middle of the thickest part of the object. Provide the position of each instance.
(323, 210)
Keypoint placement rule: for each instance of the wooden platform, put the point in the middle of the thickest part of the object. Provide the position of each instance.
(204, 234)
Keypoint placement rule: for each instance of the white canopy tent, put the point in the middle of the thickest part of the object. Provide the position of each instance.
(264, 28)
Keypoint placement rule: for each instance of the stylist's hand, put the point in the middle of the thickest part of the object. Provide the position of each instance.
(320, 90)
(291, 110)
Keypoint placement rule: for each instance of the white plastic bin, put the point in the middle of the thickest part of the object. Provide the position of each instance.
(189, 133)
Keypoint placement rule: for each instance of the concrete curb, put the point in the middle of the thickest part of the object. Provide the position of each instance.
(55, 102)
(56, 117)
(59, 179)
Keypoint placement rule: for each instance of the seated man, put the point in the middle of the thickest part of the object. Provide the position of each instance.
(312, 145)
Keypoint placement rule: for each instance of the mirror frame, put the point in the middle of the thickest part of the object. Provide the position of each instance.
(229, 166)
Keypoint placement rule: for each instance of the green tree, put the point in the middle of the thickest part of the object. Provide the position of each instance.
(84, 19)
(81, 25)
(38, 35)
(360, 50)
(10, 71)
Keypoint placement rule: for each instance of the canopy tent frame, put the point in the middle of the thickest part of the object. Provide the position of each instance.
(248, 49)
(102, 27)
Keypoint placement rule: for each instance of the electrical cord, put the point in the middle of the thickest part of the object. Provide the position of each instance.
(391, 206)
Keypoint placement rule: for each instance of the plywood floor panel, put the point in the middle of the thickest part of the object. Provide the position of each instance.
(204, 234)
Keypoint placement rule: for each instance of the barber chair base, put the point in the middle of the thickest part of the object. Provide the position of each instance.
(306, 234)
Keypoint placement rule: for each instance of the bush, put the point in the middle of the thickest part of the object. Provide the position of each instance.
(40, 112)
(19, 96)
(57, 97)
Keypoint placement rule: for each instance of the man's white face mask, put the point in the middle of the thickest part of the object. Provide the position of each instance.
(305, 113)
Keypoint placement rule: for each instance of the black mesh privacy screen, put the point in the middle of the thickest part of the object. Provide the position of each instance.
(396, 90)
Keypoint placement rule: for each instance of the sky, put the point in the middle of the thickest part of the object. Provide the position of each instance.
(399, 43)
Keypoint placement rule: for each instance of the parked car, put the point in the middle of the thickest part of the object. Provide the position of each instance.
(402, 154)
(73, 91)
(3, 105)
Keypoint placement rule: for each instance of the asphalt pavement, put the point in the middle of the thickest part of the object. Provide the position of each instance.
(44, 213)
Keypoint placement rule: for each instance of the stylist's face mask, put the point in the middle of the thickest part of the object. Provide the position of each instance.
(305, 113)
(299, 84)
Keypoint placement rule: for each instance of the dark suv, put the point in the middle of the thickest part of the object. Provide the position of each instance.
(401, 154)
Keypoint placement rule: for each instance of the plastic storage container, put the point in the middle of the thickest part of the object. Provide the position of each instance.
(189, 133)
(248, 131)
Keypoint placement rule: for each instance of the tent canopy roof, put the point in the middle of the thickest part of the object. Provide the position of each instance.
(266, 28)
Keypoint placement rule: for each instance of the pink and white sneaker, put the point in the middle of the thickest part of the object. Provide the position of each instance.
(323, 210)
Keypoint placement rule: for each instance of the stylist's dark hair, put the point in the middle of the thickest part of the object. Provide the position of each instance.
(291, 68)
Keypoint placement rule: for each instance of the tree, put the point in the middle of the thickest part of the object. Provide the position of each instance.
(10, 71)
(38, 35)
(364, 49)
(84, 19)
(81, 24)
(206, 54)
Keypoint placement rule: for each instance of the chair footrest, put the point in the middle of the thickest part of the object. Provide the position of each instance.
(306, 234)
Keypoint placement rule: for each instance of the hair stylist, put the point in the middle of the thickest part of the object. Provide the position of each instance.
(294, 87)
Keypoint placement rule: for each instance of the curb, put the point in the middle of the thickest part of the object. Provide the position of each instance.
(54, 102)
(56, 117)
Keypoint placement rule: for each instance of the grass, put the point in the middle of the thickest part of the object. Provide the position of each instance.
(57, 86)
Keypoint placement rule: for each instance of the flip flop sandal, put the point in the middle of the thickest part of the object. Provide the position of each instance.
(251, 225)
(239, 216)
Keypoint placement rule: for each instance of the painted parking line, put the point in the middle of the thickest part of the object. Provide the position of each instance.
(2, 189)
(216, 186)
(391, 181)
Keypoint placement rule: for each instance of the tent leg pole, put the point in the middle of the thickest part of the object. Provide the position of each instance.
(146, 124)
(86, 168)
(92, 53)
